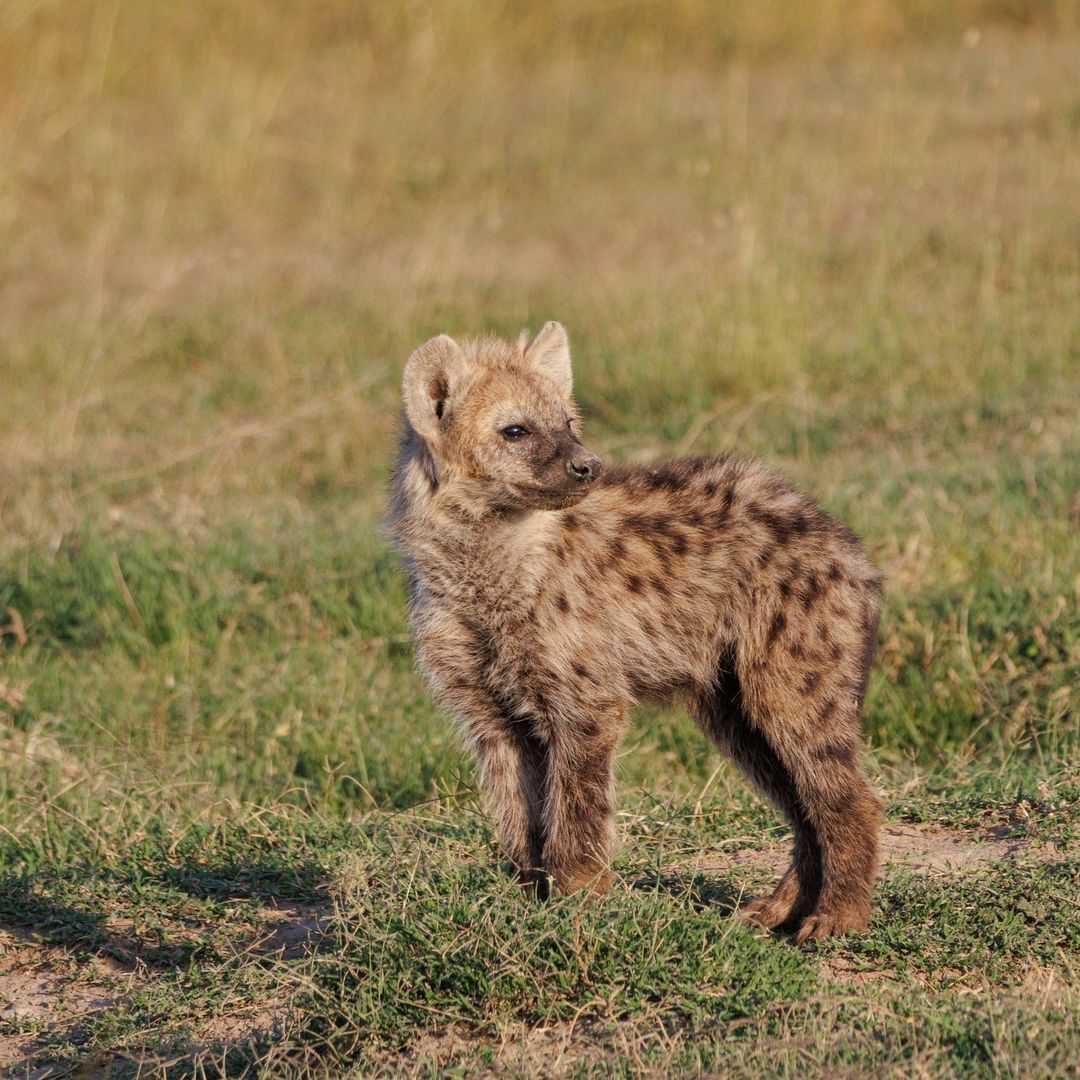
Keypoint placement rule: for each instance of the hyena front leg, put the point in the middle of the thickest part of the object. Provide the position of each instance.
(513, 770)
(512, 761)
(579, 810)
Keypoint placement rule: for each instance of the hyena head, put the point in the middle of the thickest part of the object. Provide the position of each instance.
(498, 422)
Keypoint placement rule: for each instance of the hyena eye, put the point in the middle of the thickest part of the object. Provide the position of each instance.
(515, 431)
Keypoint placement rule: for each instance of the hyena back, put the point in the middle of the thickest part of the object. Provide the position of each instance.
(550, 595)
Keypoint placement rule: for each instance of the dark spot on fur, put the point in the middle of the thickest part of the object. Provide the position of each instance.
(618, 549)
(581, 671)
(679, 544)
(663, 478)
(777, 627)
(785, 588)
(561, 552)
(835, 652)
(571, 521)
(562, 604)
(835, 573)
(658, 583)
(779, 526)
(841, 752)
(795, 650)
(811, 681)
(765, 556)
(827, 710)
(633, 583)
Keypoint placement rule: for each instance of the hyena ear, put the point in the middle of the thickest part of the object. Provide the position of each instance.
(433, 377)
(549, 354)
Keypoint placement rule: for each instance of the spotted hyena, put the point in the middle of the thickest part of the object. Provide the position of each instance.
(551, 594)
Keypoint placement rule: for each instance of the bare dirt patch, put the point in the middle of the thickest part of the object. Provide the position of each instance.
(46, 992)
(296, 930)
(36, 1006)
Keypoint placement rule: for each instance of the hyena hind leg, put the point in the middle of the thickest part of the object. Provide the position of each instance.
(846, 816)
(838, 815)
(719, 714)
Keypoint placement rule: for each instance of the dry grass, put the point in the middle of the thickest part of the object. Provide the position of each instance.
(841, 235)
(225, 225)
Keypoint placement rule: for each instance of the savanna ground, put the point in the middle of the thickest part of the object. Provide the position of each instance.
(235, 837)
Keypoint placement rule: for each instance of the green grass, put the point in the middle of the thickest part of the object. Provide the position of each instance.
(841, 239)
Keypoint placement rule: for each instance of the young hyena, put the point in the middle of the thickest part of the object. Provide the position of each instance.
(550, 594)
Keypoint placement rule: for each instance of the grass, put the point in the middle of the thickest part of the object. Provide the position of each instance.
(841, 239)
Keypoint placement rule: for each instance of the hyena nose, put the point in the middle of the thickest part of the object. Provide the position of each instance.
(584, 466)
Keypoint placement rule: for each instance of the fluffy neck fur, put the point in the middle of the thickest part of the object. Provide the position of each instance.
(459, 546)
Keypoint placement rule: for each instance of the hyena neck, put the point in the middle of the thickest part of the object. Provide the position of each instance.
(462, 552)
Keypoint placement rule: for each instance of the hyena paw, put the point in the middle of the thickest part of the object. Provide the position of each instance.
(831, 923)
(768, 912)
(587, 879)
(777, 909)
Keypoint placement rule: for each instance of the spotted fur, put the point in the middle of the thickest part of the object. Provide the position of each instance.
(550, 596)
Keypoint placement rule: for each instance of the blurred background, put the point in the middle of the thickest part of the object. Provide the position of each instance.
(841, 235)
